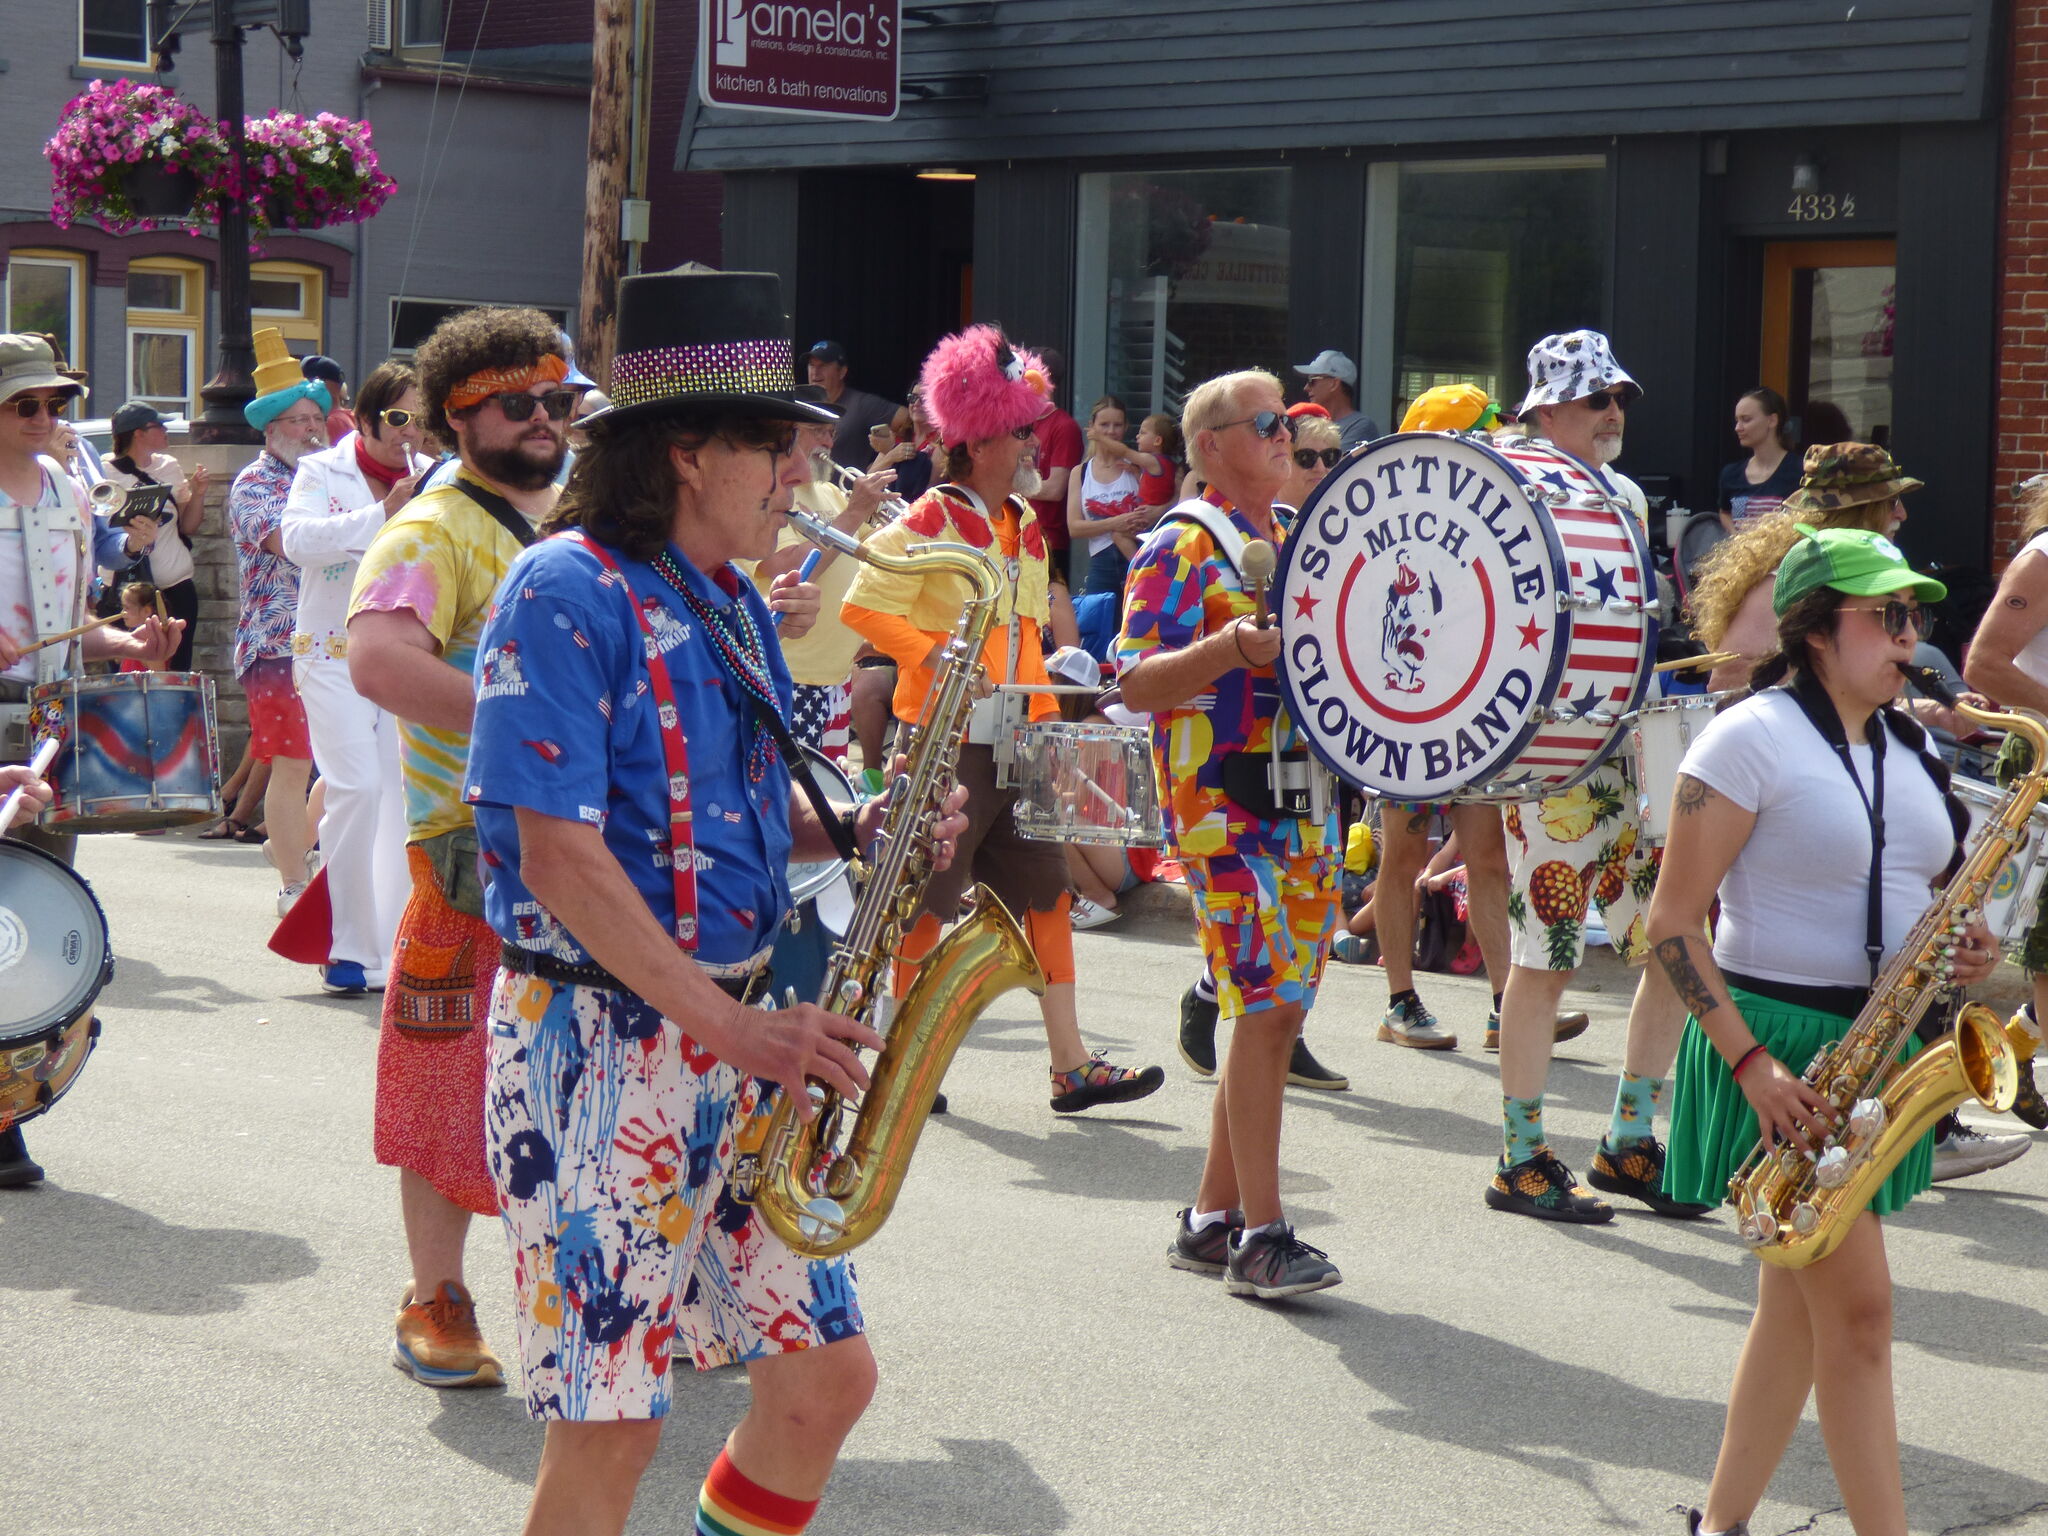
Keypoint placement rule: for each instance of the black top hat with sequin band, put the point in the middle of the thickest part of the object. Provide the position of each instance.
(694, 338)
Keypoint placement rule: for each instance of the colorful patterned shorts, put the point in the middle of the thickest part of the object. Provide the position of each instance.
(277, 720)
(1265, 925)
(611, 1138)
(1583, 847)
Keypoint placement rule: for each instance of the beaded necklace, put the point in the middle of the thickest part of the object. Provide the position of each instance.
(739, 649)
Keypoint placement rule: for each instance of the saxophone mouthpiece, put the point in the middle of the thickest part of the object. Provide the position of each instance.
(1931, 683)
(823, 534)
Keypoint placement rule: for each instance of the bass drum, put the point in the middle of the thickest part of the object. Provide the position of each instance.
(54, 959)
(1465, 622)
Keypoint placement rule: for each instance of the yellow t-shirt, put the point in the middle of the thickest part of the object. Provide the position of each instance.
(440, 559)
(823, 656)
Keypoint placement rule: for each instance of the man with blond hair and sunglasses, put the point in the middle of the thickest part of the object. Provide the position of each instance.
(492, 383)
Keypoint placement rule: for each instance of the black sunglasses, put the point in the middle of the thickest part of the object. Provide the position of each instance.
(1267, 424)
(1023, 434)
(28, 406)
(1308, 458)
(775, 437)
(1618, 398)
(402, 418)
(519, 406)
(1896, 615)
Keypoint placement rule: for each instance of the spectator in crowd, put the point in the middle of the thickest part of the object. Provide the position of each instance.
(1333, 384)
(291, 413)
(340, 500)
(858, 410)
(1317, 448)
(1758, 485)
(1159, 436)
(164, 549)
(914, 429)
(1059, 451)
(1102, 500)
(138, 606)
(340, 419)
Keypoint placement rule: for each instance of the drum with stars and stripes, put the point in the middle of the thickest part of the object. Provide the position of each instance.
(1465, 622)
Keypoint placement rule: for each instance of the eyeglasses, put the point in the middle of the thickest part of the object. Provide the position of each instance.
(773, 437)
(1022, 434)
(1895, 616)
(28, 406)
(1308, 458)
(519, 406)
(396, 417)
(1618, 398)
(1267, 424)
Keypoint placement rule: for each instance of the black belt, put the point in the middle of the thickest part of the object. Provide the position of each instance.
(588, 973)
(1847, 1002)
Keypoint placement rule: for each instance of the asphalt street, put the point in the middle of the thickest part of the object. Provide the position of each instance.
(197, 1305)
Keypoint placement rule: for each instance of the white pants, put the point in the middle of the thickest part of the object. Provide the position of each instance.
(362, 828)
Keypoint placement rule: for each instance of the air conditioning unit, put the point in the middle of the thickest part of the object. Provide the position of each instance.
(380, 24)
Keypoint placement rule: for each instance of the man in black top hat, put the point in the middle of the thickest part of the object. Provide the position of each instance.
(636, 817)
(858, 411)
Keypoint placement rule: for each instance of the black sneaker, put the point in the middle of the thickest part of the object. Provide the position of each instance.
(1569, 1027)
(1541, 1186)
(1636, 1169)
(1304, 1071)
(1272, 1262)
(1100, 1083)
(1206, 1251)
(1198, 1032)
(17, 1169)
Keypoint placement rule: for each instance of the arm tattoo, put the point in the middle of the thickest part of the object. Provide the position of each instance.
(1686, 980)
(2015, 601)
(1691, 795)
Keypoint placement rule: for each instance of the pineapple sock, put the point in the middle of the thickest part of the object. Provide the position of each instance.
(1522, 1122)
(1636, 1102)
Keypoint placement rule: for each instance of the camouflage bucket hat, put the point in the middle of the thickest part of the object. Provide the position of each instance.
(1839, 475)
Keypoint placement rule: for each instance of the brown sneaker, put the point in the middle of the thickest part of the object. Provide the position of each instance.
(1569, 1027)
(439, 1344)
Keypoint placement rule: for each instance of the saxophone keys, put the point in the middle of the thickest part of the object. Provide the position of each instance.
(1805, 1218)
(1758, 1228)
(1833, 1169)
(1867, 1118)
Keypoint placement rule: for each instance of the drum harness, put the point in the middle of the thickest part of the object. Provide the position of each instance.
(1287, 785)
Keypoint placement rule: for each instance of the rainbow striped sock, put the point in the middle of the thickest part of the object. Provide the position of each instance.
(733, 1504)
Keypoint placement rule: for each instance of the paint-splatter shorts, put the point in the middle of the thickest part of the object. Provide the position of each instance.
(612, 1137)
(1265, 925)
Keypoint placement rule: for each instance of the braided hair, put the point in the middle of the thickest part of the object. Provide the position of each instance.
(1816, 615)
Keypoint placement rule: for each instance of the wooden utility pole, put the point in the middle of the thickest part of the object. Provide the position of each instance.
(611, 89)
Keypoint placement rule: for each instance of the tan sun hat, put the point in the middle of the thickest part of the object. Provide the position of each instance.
(26, 362)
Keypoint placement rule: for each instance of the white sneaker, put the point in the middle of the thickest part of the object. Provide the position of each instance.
(1966, 1150)
(288, 895)
(1088, 914)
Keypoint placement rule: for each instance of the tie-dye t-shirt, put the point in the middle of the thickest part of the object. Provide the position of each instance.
(440, 559)
(1179, 590)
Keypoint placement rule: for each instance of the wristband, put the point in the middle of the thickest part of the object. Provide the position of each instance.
(1746, 1055)
(1237, 639)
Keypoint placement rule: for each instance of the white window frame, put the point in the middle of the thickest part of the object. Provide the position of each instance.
(75, 270)
(98, 58)
(183, 306)
(191, 340)
(297, 311)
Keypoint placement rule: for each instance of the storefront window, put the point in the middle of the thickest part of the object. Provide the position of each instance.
(1490, 256)
(1183, 275)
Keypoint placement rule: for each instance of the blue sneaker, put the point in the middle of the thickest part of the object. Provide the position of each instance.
(344, 978)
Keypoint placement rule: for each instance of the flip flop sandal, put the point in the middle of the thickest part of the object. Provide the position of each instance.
(226, 830)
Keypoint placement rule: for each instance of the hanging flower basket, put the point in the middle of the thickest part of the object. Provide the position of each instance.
(312, 172)
(128, 154)
(159, 191)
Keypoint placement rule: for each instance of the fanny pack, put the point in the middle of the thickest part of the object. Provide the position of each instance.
(453, 856)
(1248, 781)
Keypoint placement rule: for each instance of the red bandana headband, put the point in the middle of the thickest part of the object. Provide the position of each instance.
(486, 382)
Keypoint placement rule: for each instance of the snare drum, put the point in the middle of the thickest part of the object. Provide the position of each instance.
(138, 750)
(2013, 899)
(1464, 622)
(1659, 735)
(810, 880)
(1087, 783)
(54, 959)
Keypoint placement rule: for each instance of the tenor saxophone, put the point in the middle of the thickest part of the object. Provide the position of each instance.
(828, 1186)
(1794, 1205)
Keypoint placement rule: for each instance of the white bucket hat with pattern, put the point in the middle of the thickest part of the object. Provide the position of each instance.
(1572, 366)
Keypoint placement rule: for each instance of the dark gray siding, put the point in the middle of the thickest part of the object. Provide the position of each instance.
(1151, 77)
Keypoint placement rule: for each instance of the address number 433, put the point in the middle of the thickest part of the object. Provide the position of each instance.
(1820, 207)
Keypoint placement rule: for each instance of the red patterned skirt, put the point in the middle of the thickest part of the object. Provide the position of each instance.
(434, 1047)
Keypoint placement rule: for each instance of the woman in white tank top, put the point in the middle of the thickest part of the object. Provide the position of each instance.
(1102, 499)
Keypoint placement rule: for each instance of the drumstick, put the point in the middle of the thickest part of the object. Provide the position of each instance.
(1692, 663)
(803, 574)
(1259, 561)
(39, 765)
(70, 634)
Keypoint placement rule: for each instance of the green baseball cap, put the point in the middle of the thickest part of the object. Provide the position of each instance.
(1852, 560)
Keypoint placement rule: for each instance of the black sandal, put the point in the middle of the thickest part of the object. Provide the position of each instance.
(226, 830)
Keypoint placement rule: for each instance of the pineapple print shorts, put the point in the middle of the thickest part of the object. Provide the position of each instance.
(1583, 848)
(612, 1139)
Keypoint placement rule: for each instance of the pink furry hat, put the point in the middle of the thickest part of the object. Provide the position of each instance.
(975, 385)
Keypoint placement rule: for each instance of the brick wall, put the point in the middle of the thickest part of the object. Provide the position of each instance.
(2023, 267)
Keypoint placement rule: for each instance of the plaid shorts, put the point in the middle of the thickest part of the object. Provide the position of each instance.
(1583, 848)
(612, 1137)
(1265, 925)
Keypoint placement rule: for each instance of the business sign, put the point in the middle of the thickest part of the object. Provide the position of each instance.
(832, 58)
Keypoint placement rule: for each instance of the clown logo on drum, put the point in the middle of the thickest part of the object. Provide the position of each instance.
(1460, 620)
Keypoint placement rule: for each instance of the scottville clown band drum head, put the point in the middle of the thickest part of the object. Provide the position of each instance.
(1462, 621)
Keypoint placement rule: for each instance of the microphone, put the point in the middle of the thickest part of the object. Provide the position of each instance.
(1259, 562)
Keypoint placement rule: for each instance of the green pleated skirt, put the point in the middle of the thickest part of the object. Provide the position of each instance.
(1712, 1126)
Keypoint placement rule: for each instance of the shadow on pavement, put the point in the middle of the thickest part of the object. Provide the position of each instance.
(980, 1488)
(1092, 1158)
(111, 1255)
(141, 986)
(1456, 1387)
